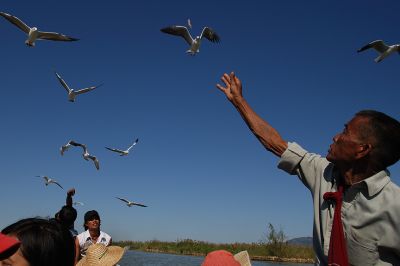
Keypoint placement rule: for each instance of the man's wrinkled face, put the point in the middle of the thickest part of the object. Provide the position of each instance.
(346, 144)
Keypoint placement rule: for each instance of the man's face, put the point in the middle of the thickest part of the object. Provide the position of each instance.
(345, 146)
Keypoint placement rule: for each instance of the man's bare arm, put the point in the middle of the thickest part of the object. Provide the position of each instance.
(265, 133)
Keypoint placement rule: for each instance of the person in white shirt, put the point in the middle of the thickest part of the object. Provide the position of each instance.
(92, 235)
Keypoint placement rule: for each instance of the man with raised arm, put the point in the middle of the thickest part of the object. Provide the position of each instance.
(356, 205)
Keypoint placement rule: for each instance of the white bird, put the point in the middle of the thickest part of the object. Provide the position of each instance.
(78, 203)
(123, 152)
(189, 23)
(131, 203)
(85, 154)
(182, 31)
(383, 49)
(49, 181)
(33, 33)
(65, 147)
(73, 93)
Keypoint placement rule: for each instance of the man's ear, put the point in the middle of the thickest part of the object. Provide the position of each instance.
(363, 150)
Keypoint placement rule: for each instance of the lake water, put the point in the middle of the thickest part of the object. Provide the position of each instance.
(139, 258)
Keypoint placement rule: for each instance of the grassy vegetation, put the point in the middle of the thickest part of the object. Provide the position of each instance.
(257, 251)
(273, 247)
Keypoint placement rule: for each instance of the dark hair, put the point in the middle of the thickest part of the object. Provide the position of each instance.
(43, 242)
(384, 132)
(67, 216)
(90, 215)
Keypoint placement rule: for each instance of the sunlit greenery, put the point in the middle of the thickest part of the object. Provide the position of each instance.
(273, 247)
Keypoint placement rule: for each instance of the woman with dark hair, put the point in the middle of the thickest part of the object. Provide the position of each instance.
(91, 235)
(43, 242)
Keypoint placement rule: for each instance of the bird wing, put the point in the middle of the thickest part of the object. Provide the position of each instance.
(16, 21)
(63, 83)
(96, 162)
(64, 148)
(124, 200)
(139, 204)
(115, 150)
(85, 149)
(44, 177)
(74, 143)
(133, 144)
(179, 31)
(378, 45)
(54, 36)
(87, 89)
(55, 182)
(210, 35)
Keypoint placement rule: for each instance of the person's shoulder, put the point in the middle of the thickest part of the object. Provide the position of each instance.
(83, 234)
(392, 186)
(105, 236)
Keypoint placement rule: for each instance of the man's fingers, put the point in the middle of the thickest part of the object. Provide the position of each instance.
(225, 78)
(237, 81)
(232, 76)
(220, 88)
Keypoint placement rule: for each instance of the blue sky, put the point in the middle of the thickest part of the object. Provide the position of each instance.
(202, 173)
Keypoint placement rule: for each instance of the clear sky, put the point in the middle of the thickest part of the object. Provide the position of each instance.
(197, 166)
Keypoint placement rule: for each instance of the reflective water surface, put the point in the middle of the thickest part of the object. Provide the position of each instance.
(139, 258)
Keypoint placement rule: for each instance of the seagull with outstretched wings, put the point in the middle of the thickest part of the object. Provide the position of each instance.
(131, 203)
(33, 33)
(49, 181)
(123, 152)
(70, 143)
(71, 92)
(383, 49)
(86, 155)
(183, 31)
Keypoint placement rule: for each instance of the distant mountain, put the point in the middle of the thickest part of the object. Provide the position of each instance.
(304, 241)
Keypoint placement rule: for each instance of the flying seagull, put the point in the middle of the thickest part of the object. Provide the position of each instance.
(189, 23)
(131, 203)
(33, 33)
(73, 93)
(123, 152)
(70, 143)
(85, 154)
(383, 49)
(183, 31)
(49, 181)
(78, 203)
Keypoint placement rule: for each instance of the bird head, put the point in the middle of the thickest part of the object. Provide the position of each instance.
(30, 44)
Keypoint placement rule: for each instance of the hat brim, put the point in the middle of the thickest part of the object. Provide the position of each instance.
(110, 258)
(243, 258)
(8, 245)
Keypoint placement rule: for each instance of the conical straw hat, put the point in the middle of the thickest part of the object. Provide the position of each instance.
(99, 254)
